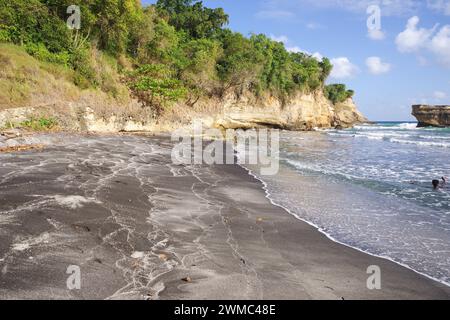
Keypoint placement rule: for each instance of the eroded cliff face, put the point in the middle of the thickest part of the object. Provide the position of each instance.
(232, 111)
(301, 112)
(438, 116)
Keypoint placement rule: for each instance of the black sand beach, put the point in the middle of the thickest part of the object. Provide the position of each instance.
(140, 227)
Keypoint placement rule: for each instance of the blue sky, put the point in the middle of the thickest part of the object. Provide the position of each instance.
(404, 62)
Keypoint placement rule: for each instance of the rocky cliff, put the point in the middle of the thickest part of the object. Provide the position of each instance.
(33, 90)
(244, 111)
(301, 112)
(438, 116)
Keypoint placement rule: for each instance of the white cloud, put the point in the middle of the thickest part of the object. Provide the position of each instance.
(343, 68)
(318, 56)
(440, 45)
(413, 38)
(439, 95)
(376, 66)
(376, 34)
(442, 6)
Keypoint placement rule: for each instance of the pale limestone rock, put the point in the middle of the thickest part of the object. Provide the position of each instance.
(438, 116)
(243, 111)
(302, 112)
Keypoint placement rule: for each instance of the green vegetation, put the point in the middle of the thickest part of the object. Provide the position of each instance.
(337, 93)
(39, 124)
(174, 50)
(155, 86)
(35, 124)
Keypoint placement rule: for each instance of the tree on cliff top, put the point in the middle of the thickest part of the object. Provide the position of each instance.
(192, 17)
(337, 93)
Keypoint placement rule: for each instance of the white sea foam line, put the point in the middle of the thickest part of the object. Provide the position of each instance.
(393, 140)
(273, 202)
(422, 143)
(402, 126)
(317, 169)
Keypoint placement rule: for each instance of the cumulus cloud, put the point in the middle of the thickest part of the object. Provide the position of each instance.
(376, 66)
(318, 56)
(415, 39)
(440, 45)
(343, 68)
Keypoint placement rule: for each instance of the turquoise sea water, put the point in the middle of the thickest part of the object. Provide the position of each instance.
(370, 187)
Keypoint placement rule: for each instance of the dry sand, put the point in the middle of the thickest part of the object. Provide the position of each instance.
(140, 227)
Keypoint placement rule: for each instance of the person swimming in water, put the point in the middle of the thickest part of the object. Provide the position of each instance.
(439, 184)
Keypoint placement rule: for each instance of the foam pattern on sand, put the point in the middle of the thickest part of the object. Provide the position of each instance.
(140, 227)
(128, 193)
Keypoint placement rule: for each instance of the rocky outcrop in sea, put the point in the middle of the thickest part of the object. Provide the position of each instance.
(436, 116)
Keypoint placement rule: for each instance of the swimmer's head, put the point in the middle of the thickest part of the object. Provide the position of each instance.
(435, 184)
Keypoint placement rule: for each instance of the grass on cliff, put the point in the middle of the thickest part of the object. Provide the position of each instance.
(26, 81)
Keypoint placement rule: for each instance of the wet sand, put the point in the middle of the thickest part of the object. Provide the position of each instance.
(140, 227)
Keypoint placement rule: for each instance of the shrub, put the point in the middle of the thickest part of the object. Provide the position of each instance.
(337, 93)
(155, 86)
(40, 52)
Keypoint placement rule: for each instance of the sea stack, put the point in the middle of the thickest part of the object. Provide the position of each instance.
(428, 115)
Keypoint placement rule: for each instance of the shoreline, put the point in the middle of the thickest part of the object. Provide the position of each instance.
(330, 237)
(141, 228)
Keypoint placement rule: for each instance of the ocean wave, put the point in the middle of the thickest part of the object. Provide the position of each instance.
(396, 169)
(422, 143)
(321, 170)
(395, 137)
(383, 253)
(409, 126)
(400, 126)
